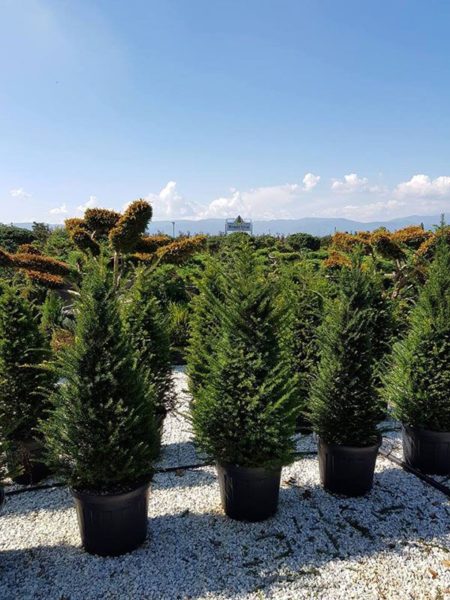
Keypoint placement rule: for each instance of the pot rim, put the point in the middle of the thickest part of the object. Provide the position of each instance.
(83, 494)
(419, 429)
(352, 448)
(224, 465)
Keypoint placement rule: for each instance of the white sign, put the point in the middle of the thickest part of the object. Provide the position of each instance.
(233, 225)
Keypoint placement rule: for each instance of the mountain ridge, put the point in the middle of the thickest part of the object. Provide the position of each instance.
(313, 225)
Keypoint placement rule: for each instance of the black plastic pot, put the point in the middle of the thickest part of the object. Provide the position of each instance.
(347, 470)
(28, 456)
(427, 451)
(112, 524)
(249, 493)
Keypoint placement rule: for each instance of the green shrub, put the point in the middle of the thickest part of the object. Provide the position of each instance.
(245, 414)
(147, 329)
(418, 383)
(24, 381)
(303, 241)
(344, 405)
(100, 431)
(308, 292)
(204, 326)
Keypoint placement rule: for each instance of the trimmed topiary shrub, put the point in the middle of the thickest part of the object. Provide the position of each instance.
(344, 405)
(100, 432)
(245, 414)
(418, 384)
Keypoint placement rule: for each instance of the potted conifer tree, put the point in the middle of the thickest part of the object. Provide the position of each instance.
(100, 431)
(344, 405)
(418, 384)
(24, 384)
(245, 411)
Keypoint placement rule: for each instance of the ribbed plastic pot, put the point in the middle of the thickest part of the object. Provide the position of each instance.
(347, 470)
(30, 461)
(112, 524)
(427, 451)
(249, 493)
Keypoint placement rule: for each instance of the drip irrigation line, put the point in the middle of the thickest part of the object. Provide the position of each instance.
(191, 467)
(426, 478)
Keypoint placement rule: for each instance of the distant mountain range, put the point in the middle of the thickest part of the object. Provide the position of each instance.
(314, 225)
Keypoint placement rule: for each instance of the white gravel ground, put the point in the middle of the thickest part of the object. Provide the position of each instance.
(393, 544)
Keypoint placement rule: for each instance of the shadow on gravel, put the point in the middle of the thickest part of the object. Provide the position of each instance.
(190, 555)
(53, 499)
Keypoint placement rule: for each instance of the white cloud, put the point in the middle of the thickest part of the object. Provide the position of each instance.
(19, 193)
(270, 202)
(59, 210)
(310, 181)
(169, 203)
(350, 183)
(91, 203)
(422, 185)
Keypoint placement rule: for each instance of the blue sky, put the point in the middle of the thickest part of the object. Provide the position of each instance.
(209, 108)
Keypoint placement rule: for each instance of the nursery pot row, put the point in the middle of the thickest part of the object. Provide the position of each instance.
(113, 524)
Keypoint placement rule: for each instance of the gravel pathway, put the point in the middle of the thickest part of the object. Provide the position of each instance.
(393, 544)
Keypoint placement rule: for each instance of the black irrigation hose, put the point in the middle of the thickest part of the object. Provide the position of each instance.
(49, 486)
(426, 478)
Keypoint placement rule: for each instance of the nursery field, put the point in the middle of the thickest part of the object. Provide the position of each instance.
(393, 543)
(301, 451)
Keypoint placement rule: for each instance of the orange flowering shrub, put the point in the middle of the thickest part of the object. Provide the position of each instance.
(336, 260)
(412, 236)
(426, 249)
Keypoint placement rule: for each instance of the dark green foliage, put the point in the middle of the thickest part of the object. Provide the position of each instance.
(100, 432)
(59, 245)
(344, 406)
(418, 384)
(41, 232)
(12, 237)
(23, 380)
(147, 329)
(245, 414)
(52, 317)
(308, 292)
(303, 241)
(204, 327)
